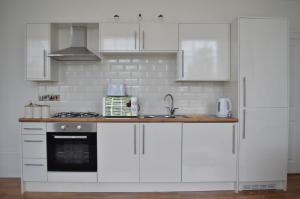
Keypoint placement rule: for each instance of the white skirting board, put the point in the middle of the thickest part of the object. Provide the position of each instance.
(125, 187)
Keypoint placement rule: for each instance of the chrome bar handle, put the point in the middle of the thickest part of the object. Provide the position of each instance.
(135, 34)
(244, 91)
(44, 68)
(244, 124)
(143, 139)
(143, 40)
(33, 141)
(182, 64)
(33, 129)
(233, 139)
(38, 165)
(134, 138)
(69, 137)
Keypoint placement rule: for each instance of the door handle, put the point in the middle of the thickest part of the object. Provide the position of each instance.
(33, 129)
(69, 137)
(33, 141)
(244, 91)
(44, 67)
(134, 138)
(233, 139)
(143, 40)
(244, 124)
(38, 165)
(143, 139)
(135, 34)
(182, 64)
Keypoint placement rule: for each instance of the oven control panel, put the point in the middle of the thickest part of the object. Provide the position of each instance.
(71, 127)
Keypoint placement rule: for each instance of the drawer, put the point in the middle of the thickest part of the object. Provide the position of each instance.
(35, 170)
(34, 128)
(34, 146)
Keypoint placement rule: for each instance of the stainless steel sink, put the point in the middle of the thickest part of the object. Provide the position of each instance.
(163, 116)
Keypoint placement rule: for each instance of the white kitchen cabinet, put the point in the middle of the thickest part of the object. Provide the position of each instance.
(34, 146)
(205, 52)
(118, 152)
(263, 62)
(34, 170)
(260, 69)
(209, 152)
(159, 36)
(119, 37)
(39, 66)
(263, 145)
(131, 152)
(160, 159)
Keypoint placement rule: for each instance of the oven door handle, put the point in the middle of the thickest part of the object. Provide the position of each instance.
(69, 137)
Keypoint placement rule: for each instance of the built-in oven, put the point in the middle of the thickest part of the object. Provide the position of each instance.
(71, 150)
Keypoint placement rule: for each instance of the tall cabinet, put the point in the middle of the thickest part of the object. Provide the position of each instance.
(260, 55)
(39, 66)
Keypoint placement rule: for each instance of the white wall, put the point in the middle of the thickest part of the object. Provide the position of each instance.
(14, 91)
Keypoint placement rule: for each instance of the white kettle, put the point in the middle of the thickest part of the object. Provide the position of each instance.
(224, 107)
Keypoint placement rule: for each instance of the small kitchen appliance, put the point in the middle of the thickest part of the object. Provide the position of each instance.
(116, 89)
(224, 107)
(122, 106)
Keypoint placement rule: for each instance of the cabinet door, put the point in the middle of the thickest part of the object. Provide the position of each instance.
(38, 45)
(160, 159)
(119, 36)
(118, 152)
(158, 36)
(263, 145)
(209, 152)
(34, 170)
(206, 52)
(263, 62)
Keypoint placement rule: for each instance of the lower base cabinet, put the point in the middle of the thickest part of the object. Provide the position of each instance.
(160, 154)
(209, 152)
(118, 152)
(132, 152)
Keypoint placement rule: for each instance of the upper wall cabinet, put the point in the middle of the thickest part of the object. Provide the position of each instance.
(119, 37)
(138, 37)
(159, 36)
(39, 66)
(205, 52)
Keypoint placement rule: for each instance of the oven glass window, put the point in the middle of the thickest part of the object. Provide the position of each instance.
(72, 151)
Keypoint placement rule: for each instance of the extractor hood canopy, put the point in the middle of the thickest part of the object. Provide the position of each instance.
(78, 50)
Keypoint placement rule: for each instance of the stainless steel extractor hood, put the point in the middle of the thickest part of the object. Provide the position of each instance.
(78, 47)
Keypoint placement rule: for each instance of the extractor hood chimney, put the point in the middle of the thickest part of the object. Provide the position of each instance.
(78, 48)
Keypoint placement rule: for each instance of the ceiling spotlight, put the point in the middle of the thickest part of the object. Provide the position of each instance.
(160, 17)
(140, 18)
(116, 17)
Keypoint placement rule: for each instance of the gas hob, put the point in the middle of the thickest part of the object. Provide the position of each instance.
(76, 115)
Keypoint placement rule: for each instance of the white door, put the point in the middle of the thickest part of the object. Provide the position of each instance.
(263, 144)
(209, 152)
(158, 36)
(263, 62)
(206, 52)
(160, 159)
(38, 45)
(118, 152)
(119, 36)
(294, 136)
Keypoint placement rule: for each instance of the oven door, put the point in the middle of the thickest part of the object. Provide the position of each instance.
(72, 152)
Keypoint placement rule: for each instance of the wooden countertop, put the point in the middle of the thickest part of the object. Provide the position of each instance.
(184, 119)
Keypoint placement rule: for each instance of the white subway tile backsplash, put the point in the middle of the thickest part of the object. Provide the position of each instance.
(82, 85)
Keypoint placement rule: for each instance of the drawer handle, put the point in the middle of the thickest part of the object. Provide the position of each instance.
(34, 129)
(35, 165)
(33, 141)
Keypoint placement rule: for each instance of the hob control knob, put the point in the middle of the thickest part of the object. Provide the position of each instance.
(78, 127)
(63, 127)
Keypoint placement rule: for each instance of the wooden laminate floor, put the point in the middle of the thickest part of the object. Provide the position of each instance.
(10, 189)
